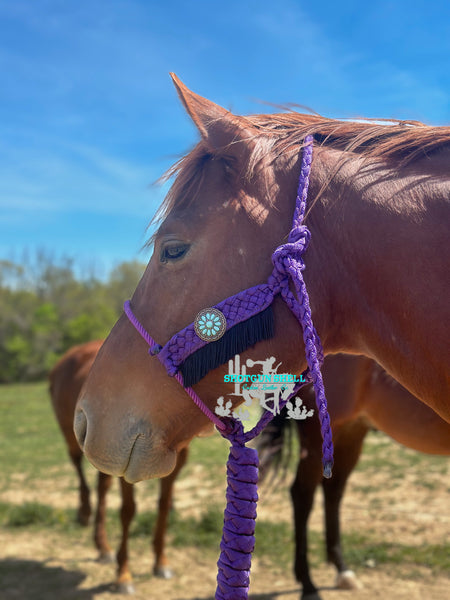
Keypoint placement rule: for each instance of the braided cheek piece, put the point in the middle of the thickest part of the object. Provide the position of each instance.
(314, 357)
(288, 265)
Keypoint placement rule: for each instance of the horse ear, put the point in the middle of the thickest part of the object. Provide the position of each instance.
(217, 126)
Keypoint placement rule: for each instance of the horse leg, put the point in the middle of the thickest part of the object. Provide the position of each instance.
(161, 568)
(309, 475)
(128, 509)
(84, 510)
(348, 444)
(100, 537)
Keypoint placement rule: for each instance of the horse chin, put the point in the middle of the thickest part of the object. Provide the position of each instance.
(157, 463)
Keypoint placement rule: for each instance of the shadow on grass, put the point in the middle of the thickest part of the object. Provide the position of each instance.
(34, 580)
(273, 595)
(269, 596)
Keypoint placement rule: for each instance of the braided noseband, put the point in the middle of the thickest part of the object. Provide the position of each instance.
(242, 467)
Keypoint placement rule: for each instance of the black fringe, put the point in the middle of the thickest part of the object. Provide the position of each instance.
(237, 339)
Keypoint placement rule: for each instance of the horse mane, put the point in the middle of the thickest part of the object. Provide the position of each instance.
(397, 142)
(393, 140)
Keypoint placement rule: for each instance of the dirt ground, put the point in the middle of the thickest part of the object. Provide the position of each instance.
(52, 566)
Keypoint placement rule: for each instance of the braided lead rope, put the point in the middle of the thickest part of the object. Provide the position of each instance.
(238, 534)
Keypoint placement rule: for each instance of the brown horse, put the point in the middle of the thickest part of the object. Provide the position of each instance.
(66, 380)
(361, 396)
(376, 269)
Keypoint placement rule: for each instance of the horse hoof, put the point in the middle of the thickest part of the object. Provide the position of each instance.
(124, 587)
(106, 558)
(163, 572)
(83, 520)
(347, 580)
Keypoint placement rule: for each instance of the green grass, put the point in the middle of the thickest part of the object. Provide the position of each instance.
(382, 454)
(30, 440)
(272, 539)
(362, 549)
(32, 450)
(204, 531)
(34, 514)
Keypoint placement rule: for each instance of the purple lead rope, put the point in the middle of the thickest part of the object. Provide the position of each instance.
(233, 578)
(238, 539)
(238, 534)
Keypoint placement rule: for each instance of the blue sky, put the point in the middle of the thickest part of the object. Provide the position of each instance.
(89, 118)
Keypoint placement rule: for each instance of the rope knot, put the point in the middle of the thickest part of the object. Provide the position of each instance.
(155, 349)
(292, 250)
(233, 431)
(300, 235)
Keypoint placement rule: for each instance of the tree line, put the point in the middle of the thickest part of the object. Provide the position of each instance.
(46, 307)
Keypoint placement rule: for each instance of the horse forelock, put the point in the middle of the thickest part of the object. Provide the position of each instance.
(188, 174)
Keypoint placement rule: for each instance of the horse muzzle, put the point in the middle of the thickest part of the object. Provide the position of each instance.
(126, 449)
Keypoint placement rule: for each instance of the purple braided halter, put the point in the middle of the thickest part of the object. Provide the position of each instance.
(242, 467)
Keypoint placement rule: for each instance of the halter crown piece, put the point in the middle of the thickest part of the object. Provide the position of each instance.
(234, 324)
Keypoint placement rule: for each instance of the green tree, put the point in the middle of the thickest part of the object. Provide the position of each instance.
(45, 309)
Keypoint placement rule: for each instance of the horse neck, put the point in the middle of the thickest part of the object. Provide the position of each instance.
(374, 239)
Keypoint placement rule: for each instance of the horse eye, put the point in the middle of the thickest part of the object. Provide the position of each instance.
(173, 252)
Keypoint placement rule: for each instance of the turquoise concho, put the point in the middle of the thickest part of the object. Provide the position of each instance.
(210, 324)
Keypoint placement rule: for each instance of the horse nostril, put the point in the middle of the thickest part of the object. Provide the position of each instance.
(80, 427)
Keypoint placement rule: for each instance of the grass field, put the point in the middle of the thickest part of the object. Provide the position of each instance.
(395, 516)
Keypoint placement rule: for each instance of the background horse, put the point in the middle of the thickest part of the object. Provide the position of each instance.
(375, 269)
(66, 380)
(361, 396)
